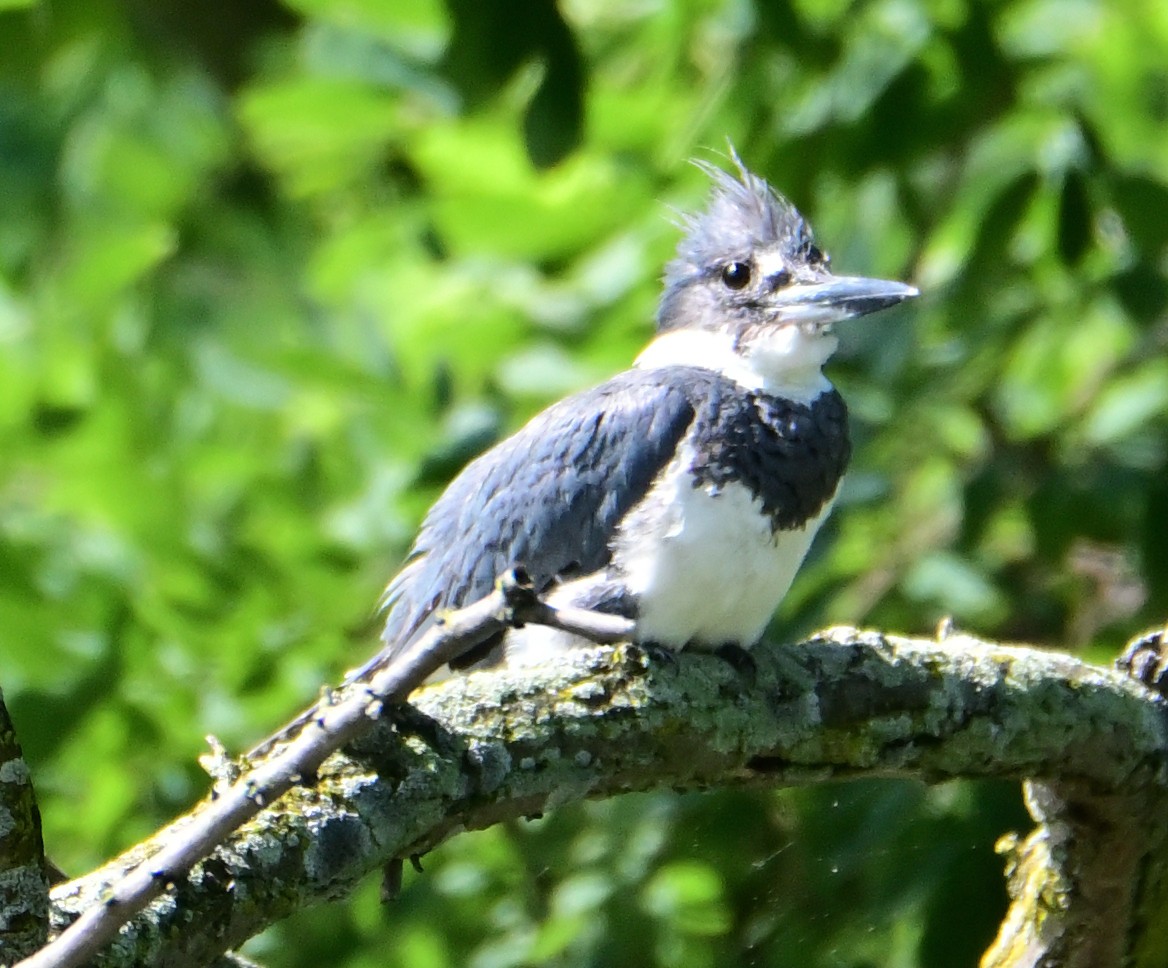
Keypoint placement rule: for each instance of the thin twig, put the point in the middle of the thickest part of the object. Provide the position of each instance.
(309, 740)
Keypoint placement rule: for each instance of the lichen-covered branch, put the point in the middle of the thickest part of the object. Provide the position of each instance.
(489, 746)
(293, 755)
(24, 885)
(1089, 885)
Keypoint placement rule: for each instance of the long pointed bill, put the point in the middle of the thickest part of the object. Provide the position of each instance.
(836, 298)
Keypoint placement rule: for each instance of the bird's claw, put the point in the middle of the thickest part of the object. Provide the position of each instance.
(738, 658)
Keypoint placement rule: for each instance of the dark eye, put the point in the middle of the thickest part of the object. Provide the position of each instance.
(736, 275)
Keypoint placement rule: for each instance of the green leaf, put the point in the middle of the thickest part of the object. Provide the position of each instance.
(319, 134)
(1129, 403)
(689, 896)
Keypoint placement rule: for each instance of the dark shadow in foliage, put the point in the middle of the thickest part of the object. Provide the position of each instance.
(1074, 219)
(1142, 205)
(219, 35)
(492, 41)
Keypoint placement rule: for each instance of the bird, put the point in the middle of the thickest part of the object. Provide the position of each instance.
(684, 492)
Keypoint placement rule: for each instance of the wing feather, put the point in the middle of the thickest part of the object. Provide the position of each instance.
(548, 498)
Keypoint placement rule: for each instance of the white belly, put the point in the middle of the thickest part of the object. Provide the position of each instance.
(705, 565)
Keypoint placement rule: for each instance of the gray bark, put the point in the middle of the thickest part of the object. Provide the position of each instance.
(491, 746)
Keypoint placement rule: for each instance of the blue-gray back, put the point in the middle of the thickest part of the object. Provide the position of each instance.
(547, 498)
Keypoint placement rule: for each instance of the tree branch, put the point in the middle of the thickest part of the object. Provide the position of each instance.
(294, 754)
(489, 746)
(24, 883)
(1089, 886)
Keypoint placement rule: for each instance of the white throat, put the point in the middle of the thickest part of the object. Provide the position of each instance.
(784, 360)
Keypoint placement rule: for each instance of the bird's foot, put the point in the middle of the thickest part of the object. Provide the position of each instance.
(738, 658)
(410, 721)
(407, 721)
(658, 654)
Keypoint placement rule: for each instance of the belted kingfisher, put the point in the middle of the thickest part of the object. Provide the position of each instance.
(685, 492)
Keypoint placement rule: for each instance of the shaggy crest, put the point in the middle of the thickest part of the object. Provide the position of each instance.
(744, 214)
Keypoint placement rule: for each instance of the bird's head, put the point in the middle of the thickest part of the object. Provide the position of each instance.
(748, 270)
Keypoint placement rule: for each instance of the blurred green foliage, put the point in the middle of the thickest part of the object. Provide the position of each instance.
(270, 274)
